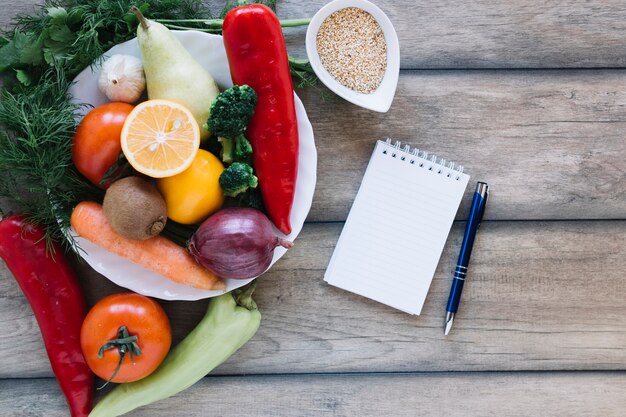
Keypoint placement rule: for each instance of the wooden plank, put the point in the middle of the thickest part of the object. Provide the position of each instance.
(595, 394)
(10, 9)
(550, 143)
(541, 296)
(486, 34)
(443, 34)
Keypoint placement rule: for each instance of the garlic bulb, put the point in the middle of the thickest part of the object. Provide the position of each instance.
(122, 78)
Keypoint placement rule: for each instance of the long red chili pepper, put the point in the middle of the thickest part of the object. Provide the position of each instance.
(55, 296)
(258, 57)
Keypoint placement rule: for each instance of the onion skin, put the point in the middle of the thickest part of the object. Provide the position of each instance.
(236, 243)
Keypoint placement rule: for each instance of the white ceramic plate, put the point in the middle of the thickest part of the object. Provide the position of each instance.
(209, 51)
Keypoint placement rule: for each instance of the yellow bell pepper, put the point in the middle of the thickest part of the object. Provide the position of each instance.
(194, 194)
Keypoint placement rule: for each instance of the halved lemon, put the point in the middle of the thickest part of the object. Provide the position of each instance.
(160, 138)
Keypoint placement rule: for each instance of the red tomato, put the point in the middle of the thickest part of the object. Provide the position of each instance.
(143, 318)
(96, 144)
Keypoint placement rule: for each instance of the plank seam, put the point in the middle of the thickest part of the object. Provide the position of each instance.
(316, 222)
(401, 373)
(513, 69)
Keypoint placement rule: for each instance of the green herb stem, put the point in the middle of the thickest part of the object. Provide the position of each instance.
(176, 27)
(205, 21)
(292, 23)
(218, 23)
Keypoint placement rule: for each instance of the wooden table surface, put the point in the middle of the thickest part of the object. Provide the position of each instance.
(531, 97)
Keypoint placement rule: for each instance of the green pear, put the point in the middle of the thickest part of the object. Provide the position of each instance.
(172, 73)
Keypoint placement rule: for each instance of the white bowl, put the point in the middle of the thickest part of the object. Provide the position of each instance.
(379, 100)
(209, 51)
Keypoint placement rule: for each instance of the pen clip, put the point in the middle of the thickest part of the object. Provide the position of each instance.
(483, 190)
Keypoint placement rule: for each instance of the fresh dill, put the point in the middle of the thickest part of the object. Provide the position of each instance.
(35, 153)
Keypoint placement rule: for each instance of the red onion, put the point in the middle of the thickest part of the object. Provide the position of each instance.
(236, 243)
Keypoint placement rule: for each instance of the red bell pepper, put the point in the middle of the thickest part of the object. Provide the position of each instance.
(52, 289)
(257, 56)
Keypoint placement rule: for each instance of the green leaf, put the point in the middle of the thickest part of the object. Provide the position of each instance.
(21, 40)
(62, 34)
(58, 47)
(269, 3)
(11, 53)
(49, 57)
(8, 56)
(58, 15)
(32, 52)
(56, 53)
(131, 21)
(74, 16)
(23, 77)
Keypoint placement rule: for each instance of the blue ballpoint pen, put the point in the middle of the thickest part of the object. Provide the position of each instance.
(476, 214)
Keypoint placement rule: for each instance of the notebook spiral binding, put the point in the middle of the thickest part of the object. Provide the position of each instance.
(423, 159)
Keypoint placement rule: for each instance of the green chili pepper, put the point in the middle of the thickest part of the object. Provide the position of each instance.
(230, 321)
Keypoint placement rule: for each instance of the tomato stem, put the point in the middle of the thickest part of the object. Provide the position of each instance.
(125, 343)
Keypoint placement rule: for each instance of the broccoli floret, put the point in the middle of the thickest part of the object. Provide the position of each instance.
(230, 114)
(237, 149)
(231, 111)
(237, 178)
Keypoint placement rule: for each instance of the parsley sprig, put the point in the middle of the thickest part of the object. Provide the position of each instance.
(35, 153)
(72, 34)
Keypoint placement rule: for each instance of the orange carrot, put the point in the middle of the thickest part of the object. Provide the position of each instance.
(157, 254)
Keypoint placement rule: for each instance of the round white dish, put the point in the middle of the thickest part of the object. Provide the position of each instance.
(209, 51)
(380, 100)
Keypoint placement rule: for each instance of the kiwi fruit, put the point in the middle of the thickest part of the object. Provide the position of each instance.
(134, 208)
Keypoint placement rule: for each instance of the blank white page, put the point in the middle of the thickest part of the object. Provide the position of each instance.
(398, 225)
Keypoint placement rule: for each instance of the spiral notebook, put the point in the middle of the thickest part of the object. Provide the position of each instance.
(398, 225)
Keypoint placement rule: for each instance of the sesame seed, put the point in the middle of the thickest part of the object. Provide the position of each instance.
(351, 46)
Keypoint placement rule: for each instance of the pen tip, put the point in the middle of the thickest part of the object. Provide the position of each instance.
(449, 321)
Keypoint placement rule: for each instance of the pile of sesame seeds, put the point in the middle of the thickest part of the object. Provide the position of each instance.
(351, 46)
